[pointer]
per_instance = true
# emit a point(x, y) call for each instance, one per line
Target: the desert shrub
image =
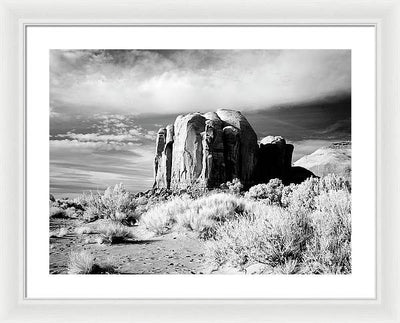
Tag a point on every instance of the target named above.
point(329, 249)
point(142, 200)
point(287, 193)
point(309, 233)
point(70, 213)
point(203, 214)
point(219, 206)
point(161, 217)
point(272, 238)
point(57, 213)
point(91, 214)
point(335, 203)
point(59, 233)
point(82, 199)
point(114, 204)
point(194, 191)
point(117, 203)
point(83, 230)
point(302, 197)
point(193, 221)
point(209, 212)
point(199, 215)
point(333, 182)
point(114, 232)
point(82, 263)
point(235, 186)
point(271, 192)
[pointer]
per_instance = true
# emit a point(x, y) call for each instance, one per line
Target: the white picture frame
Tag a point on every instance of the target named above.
point(13, 17)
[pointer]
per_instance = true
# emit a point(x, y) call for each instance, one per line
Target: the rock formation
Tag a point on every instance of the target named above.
point(213, 171)
point(163, 158)
point(206, 150)
point(275, 159)
point(335, 158)
point(187, 157)
point(246, 140)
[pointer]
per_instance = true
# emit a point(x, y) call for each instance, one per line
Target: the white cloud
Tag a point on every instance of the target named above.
point(95, 137)
point(152, 82)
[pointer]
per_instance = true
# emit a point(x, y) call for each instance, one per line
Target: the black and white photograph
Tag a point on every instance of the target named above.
point(200, 161)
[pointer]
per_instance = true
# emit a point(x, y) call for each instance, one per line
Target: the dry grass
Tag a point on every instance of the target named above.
point(198, 215)
point(161, 217)
point(114, 232)
point(82, 263)
point(61, 232)
point(84, 230)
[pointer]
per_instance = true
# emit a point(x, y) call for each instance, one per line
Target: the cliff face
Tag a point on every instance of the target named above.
point(213, 148)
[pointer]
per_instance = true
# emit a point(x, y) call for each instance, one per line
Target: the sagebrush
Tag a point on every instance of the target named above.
point(115, 204)
point(295, 229)
point(310, 233)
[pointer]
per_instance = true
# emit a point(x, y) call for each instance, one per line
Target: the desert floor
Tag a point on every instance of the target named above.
point(175, 253)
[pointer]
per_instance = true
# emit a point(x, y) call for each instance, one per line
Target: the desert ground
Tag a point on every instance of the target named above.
point(174, 253)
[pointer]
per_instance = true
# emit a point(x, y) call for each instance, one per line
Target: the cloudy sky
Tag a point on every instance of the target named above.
point(107, 105)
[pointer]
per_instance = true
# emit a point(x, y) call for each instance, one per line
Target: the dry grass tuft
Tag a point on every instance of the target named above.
point(59, 233)
point(115, 232)
point(82, 263)
point(161, 218)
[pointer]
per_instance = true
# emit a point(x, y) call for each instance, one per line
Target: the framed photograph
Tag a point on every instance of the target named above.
point(226, 158)
point(233, 165)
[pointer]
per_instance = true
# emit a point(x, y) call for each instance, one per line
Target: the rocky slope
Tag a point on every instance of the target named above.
point(335, 158)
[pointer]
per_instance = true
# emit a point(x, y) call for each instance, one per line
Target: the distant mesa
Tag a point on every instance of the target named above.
point(209, 149)
point(335, 158)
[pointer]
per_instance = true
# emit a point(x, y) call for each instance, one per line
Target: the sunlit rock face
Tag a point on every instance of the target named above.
point(209, 149)
point(333, 159)
point(246, 156)
point(187, 156)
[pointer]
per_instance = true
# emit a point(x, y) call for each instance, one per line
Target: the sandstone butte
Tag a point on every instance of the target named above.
point(209, 149)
